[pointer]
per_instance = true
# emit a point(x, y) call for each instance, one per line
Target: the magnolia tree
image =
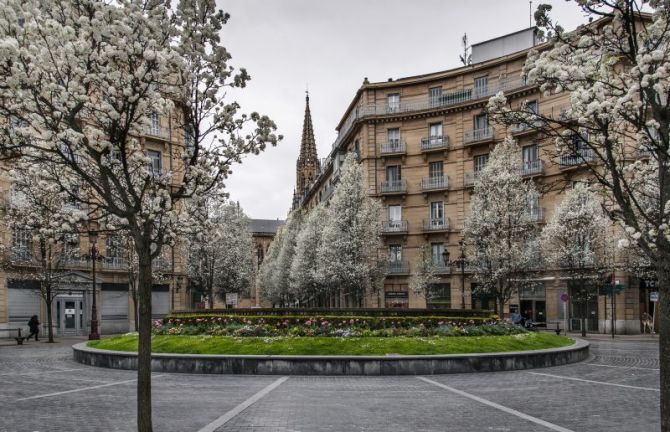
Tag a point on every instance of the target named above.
point(219, 258)
point(350, 261)
point(81, 82)
point(44, 231)
point(500, 227)
point(275, 271)
point(574, 240)
point(305, 284)
point(615, 71)
point(425, 276)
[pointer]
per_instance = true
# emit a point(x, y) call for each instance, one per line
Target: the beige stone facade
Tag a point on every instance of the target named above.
point(19, 297)
point(421, 141)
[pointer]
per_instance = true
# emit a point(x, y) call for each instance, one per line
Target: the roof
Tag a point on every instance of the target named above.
point(265, 226)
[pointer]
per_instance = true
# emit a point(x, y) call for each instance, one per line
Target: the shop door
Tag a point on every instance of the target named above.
point(69, 315)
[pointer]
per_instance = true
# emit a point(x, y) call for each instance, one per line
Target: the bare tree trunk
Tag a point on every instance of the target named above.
point(664, 341)
point(50, 327)
point(144, 423)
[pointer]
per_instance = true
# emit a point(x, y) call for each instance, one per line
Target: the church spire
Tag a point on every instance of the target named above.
point(308, 143)
point(308, 165)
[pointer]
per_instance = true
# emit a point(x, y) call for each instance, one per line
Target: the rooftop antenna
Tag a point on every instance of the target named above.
point(466, 58)
point(530, 13)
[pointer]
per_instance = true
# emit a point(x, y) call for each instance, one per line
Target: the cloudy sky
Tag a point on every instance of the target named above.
point(330, 46)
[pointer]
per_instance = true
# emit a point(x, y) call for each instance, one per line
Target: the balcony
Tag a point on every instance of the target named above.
point(434, 183)
point(536, 214)
point(397, 267)
point(394, 187)
point(393, 147)
point(115, 263)
point(478, 135)
point(434, 143)
point(394, 227)
point(531, 168)
point(441, 268)
point(576, 158)
point(160, 264)
point(436, 225)
point(523, 128)
point(157, 131)
point(470, 178)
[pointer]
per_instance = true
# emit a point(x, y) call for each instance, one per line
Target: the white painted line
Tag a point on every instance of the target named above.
point(502, 408)
point(40, 373)
point(622, 367)
point(241, 407)
point(80, 389)
point(596, 382)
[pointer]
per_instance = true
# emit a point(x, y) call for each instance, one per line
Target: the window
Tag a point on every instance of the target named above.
point(393, 137)
point(529, 154)
point(480, 162)
point(395, 213)
point(437, 213)
point(17, 198)
point(534, 206)
point(357, 149)
point(481, 86)
point(155, 127)
point(436, 253)
point(393, 173)
point(70, 248)
point(436, 169)
point(393, 102)
point(189, 141)
point(22, 245)
point(481, 122)
point(156, 163)
point(435, 133)
point(395, 253)
point(435, 96)
point(532, 107)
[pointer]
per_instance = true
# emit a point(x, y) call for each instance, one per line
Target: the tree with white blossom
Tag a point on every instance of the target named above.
point(350, 254)
point(500, 227)
point(616, 71)
point(305, 284)
point(82, 81)
point(574, 241)
point(45, 223)
point(424, 275)
point(219, 257)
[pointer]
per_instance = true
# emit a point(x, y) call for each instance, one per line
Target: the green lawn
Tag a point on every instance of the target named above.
point(336, 346)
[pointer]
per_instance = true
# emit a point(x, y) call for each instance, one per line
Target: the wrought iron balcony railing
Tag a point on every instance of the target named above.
point(434, 183)
point(440, 224)
point(435, 143)
point(475, 135)
point(394, 187)
point(394, 227)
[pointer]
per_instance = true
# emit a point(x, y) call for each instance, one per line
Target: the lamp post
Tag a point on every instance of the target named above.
point(93, 335)
point(461, 245)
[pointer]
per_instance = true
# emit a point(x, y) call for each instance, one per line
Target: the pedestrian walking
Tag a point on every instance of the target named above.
point(34, 325)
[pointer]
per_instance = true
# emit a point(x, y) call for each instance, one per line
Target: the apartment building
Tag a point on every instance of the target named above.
point(422, 141)
point(19, 286)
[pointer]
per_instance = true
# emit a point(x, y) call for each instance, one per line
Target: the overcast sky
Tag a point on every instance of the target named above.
point(330, 46)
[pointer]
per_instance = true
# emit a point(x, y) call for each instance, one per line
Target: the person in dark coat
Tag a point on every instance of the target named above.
point(34, 325)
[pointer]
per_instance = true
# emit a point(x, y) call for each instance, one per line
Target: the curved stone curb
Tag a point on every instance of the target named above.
point(337, 365)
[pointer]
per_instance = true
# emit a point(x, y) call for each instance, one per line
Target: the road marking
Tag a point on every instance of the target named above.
point(40, 373)
point(81, 389)
point(502, 408)
point(241, 407)
point(596, 382)
point(622, 367)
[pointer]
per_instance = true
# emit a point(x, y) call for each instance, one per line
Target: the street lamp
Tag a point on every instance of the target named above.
point(93, 335)
point(461, 245)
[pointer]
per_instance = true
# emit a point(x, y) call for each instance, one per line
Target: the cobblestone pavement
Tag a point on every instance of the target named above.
point(43, 389)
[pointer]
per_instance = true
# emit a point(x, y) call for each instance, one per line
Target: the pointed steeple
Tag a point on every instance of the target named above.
point(308, 143)
point(308, 165)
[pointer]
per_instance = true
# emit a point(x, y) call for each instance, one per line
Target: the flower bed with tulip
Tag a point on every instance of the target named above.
point(331, 326)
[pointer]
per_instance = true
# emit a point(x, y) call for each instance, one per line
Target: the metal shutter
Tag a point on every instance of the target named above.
point(160, 304)
point(114, 312)
point(21, 305)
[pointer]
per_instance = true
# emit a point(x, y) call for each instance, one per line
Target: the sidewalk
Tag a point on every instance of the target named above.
point(626, 337)
point(58, 342)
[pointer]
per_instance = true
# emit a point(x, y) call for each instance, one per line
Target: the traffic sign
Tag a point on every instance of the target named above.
point(653, 296)
point(564, 297)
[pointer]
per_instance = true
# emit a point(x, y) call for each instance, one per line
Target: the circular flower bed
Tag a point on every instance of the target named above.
point(331, 326)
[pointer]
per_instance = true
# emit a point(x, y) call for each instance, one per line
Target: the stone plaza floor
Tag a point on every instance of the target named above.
point(616, 389)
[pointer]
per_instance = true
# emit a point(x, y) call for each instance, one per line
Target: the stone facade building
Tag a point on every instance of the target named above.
point(19, 289)
point(422, 141)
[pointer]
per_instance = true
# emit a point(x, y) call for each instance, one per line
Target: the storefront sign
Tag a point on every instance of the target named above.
point(653, 296)
point(564, 297)
point(69, 311)
point(231, 299)
point(397, 295)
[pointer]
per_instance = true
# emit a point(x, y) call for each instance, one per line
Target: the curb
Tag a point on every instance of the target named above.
point(336, 365)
